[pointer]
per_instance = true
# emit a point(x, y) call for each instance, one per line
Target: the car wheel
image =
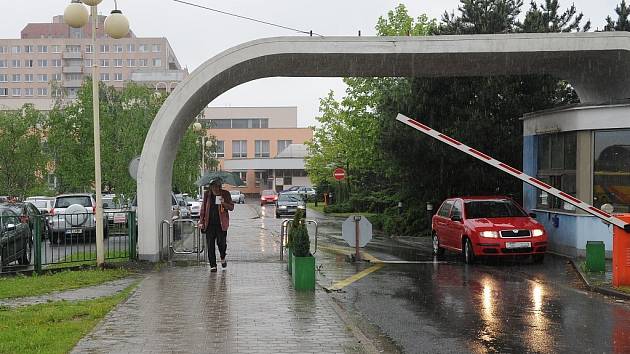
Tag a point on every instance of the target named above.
point(26, 257)
point(538, 258)
point(437, 250)
point(469, 253)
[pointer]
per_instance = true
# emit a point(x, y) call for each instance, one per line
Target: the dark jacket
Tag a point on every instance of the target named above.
point(223, 215)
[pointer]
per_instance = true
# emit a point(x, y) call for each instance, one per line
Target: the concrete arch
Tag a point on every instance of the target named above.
point(596, 64)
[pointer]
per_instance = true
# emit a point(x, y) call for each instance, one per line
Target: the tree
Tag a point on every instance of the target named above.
point(547, 18)
point(622, 23)
point(23, 162)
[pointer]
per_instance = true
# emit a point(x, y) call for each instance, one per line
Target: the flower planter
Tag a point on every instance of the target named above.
point(289, 259)
point(303, 272)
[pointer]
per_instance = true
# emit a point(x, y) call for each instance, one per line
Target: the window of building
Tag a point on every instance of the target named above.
point(16, 92)
point(56, 63)
point(142, 48)
point(16, 78)
point(28, 91)
point(88, 63)
point(4, 91)
point(611, 169)
point(42, 77)
point(29, 63)
point(261, 148)
point(42, 91)
point(557, 155)
point(239, 123)
point(89, 48)
point(220, 149)
point(28, 77)
point(73, 77)
point(3, 49)
point(104, 48)
point(118, 77)
point(118, 48)
point(73, 48)
point(29, 49)
point(42, 48)
point(239, 149)
point(56, 48)
point(16, 63)
point(156, 48)
point(143, 62)
point(221, 123)
point(104, 76)
point(157, 62)
point(118, 63)
point(42, 63)
point(56, 92)
point(262, 179)
point(131, 47)
point(4, 78)
point(283, 144)
point(104, 63)
point(16, 49)
point(131, 63)
point(56, 77)
point(3, 63)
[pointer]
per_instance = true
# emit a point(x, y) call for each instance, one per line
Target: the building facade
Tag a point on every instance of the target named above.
point(262, 144)
point(51, 60)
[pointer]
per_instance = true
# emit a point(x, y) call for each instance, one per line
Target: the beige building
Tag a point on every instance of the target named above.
point(51, 60)
point(262, 144)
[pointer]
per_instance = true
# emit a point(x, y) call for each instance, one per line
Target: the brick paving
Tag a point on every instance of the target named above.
point(248, 308)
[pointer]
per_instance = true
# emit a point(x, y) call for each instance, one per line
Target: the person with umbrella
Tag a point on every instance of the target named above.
point(215, 219)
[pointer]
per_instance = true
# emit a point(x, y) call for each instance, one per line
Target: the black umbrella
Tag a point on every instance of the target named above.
point(225, 176)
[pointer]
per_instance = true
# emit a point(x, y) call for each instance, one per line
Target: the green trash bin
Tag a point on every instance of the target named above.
point(595, 256)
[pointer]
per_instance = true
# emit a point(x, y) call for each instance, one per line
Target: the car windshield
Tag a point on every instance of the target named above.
point(477, 209)
point(8, 216)
point(289, 198)
point(42, 204)
point(64, 202)
point(268, 192)
point(108, 203)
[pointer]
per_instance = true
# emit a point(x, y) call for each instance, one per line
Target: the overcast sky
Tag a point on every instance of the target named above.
point(196, 35)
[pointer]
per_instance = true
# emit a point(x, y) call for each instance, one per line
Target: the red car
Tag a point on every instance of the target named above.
point(268, 196)
point(487, 226)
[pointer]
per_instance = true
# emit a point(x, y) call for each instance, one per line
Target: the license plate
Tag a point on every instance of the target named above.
point(76, 231)
point(518, 244)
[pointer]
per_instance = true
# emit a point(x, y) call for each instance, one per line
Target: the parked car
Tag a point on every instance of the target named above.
point(237, 197)
point(487, 226)
point(268, 196)
point(195, 207)
point(30, 215)
point(73, 215)
point(15, 238)
point(184, 211)
point(44, 204)
point(113, 210)
point(289, 203)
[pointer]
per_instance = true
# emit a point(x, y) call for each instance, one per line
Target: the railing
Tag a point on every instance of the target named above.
point(284, 233)
point(178, 239)
point(44, 242)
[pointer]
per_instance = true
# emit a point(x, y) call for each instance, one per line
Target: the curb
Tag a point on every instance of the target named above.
point(597, 289)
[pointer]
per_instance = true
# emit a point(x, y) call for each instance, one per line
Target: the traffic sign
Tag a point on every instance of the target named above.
point(339, 173)
point(349, 228)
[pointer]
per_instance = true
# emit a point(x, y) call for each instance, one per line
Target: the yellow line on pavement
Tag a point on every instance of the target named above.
point(342, 284)
point(349, 251)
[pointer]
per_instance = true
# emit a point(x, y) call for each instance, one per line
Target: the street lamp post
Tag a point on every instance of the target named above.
point(116, 26)
point(205, 143)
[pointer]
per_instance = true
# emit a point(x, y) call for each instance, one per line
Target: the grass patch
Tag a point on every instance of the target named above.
point(320, 208)
point(89, 259)
point(54, 327)
point(21, 286)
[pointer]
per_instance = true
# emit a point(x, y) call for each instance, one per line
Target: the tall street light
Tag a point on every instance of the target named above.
point(197, 127)
point(116, 26)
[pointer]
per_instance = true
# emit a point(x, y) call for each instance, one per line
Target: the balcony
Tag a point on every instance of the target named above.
point(74, 69)
point(72, 83)
point(72, 55)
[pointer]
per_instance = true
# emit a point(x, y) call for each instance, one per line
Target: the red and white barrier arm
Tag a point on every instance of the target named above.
point(514, 172)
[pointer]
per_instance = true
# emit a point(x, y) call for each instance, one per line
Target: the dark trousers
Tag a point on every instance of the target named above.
point(214, 233)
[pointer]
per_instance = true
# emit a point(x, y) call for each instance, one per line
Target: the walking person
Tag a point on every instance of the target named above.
point(215, 220)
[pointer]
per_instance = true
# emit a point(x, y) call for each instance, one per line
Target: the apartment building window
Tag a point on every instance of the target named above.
point(73, 49)
point(261, 148)
point(88, 63)
point(16, 49)
point(28, 92)
point(29, 63)
point(220, 147)
point(16, 92)
point(283, 144)
point(104, 76)
point(89, 48)
point(157, 62)
point(3, 63)
point(104, 48)
point(259, 123)
point(16, 78)
point(261, 178)
point(42, 63)
point(4, 91)
point(42, 91)
point(239, 149)
point(56, 93)
point(118, 77)
point(28, 49)
point(42, 48)
point(3, 49)
point(143, 62)
point(131, 47)
point(104, 63)
point(142, 48)
point(42, 77)
point(16, 63)
point(56, 49)
point(73, 77)
point(118, 48)
point(118, 63)
point(4, 78)
point(28, 77)
point(56, 77)
point(131, 63)
point(242, 175)
point(156, 48)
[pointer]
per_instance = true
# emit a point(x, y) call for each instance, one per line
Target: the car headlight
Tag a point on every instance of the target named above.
point(301, 207)
point(537, 232)
point(283, 207)
point(489, 234)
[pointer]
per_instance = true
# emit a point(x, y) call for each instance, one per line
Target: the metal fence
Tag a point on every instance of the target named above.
point(45, 242)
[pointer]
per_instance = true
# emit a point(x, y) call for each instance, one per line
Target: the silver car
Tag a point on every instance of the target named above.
point(73, 215)
point(237, 197)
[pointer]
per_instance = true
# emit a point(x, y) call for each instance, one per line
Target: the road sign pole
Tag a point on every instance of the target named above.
point(357, 253)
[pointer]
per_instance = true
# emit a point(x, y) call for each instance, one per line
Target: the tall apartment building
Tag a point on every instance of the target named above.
point(51, 60)
point(262, 144)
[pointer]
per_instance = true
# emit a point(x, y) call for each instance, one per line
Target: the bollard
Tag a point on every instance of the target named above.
point(621, 254)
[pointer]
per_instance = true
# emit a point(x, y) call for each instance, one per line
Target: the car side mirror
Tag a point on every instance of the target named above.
point(456, 217)
point(532, 215)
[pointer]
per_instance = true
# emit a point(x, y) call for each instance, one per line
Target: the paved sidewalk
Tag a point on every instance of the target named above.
point(250, 307)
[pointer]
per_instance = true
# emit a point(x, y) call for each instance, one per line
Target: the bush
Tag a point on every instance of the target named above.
point(293, 228)
point(301, 242)
point(338, 208)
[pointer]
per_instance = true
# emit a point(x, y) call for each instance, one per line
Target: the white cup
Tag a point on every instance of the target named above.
point(218, 200)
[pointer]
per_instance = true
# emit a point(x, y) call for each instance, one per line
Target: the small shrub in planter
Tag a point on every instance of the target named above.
point(303, 262)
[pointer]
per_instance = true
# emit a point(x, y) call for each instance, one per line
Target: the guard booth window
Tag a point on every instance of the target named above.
point(611, 169)
point(557, 155)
